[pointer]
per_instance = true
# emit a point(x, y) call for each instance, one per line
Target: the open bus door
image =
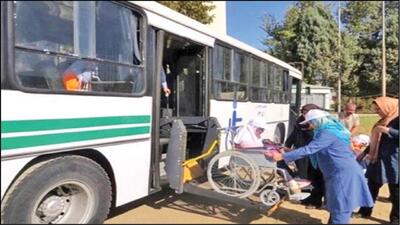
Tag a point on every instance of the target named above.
point(295, 103)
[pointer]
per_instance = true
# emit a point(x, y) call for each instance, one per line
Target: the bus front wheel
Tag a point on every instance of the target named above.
point(66, 189)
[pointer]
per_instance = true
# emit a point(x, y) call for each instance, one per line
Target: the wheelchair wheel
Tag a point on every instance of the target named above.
point(233, 173)
point(269, 197)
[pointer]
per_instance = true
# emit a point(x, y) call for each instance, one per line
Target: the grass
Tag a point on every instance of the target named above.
point(366, 123)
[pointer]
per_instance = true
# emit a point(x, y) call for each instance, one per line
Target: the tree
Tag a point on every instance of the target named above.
point(363, 21)
point(198, 10)
point(309, 34)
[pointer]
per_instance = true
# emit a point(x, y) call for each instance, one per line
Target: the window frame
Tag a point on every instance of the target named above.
point(231, 80)
point(13, 47)
point(265, 86)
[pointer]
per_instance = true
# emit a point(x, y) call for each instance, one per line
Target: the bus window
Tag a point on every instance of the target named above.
point(45, 25)
point(287, 80)
point(60, 73)
point(222, 63)
point(255, 76)
point(258, 88)
point(222, 88)
point(277, 73)
point(270, 81)
point(240, 68)
point(241, 74)
point(227, 87)
point(278, 78)
point(51, 37)
point(116, 33)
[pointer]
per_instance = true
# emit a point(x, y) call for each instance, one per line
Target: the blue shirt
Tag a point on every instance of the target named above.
point(346, 186)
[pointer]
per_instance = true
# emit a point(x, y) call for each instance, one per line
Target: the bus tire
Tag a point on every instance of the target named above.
point(65, 189)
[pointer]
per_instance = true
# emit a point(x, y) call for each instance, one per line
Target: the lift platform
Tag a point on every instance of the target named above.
point(187, 176)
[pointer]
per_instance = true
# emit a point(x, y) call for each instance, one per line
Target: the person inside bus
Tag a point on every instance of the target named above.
point(165, 101)
point(78, 76)
point(163, 80)
point(345, 184)
point(249, 137)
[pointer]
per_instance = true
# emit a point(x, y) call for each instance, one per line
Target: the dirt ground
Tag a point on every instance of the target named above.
point(168, 207)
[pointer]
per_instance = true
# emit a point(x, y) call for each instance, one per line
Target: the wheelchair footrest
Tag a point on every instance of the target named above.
point(298, 196)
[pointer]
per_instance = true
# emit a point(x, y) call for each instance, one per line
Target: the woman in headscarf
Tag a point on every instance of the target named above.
point(345, 184)
point(307, 167)
point(384, 155)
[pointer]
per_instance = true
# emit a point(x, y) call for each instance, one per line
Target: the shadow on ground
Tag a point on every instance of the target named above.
point(295, 217)
point(212, 208)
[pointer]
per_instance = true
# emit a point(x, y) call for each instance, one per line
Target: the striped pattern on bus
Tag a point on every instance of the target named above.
point(59, 131)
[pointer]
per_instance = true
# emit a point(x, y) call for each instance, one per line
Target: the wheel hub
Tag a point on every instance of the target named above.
point(52, 206)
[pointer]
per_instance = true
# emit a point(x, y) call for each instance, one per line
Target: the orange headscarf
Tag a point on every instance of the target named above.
point(389, 108)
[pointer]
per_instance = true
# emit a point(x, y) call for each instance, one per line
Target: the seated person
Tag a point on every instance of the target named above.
point(249, 137)
point(78, 75)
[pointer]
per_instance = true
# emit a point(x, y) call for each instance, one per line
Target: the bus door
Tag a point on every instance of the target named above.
point(295, 102)
point(183, 62)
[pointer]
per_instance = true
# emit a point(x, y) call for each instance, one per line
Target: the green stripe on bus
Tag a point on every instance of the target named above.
point(55, 124)
point(60, 138)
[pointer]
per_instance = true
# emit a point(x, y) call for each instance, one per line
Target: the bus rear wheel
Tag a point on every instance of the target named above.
point(66, 189)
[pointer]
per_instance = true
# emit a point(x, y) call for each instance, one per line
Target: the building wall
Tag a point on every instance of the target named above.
point(319, 96)
point(219, 12)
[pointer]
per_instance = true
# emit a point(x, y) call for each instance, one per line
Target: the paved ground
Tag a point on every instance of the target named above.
point(167, 207)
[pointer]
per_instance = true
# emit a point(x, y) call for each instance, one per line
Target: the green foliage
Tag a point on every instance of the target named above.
point(363, 19)
point(309, 34)
point(198, 10)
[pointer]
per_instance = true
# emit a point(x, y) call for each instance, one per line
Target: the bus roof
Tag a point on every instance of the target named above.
point(167, 19)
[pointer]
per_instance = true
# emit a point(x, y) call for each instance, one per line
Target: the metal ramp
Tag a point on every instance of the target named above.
point(202, 190)
point(177, 169)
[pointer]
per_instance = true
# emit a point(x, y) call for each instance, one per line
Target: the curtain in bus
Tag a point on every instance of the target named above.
point(134, 28)
point(117, 38)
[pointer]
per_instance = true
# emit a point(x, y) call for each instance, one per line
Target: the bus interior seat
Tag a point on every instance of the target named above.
point(28, 79)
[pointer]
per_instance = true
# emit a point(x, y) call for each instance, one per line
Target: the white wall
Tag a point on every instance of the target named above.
point(219, 22)
point(319, 96)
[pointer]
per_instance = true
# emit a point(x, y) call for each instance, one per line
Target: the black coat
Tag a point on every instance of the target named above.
point(300, 135)
point(386, 169)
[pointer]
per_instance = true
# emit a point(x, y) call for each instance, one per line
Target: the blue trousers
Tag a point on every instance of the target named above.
point(339, 218)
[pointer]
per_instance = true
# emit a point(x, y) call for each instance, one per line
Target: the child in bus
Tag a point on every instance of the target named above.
point(249, 137)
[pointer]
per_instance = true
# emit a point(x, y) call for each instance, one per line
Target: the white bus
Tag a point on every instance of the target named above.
point(83, 120)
